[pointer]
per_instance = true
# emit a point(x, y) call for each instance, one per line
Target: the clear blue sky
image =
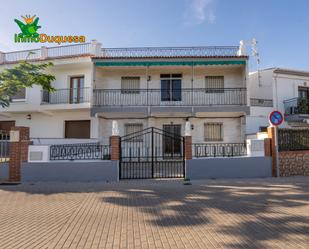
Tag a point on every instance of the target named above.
point(280, 26)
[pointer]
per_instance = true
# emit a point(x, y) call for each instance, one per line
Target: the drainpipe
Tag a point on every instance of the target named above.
point(276, 91)
point(192, 80)
point(147, 90)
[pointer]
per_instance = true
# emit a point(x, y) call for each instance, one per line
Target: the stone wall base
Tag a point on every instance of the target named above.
point(294, 163)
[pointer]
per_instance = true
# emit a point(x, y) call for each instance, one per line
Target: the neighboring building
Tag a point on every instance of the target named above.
point(138, 87)
point(280, 89)
point(64, 113)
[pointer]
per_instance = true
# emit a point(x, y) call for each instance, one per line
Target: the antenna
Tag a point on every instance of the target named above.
point(256, 55)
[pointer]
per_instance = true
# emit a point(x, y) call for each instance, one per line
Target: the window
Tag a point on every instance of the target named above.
point(132, 128)
point(263, 128)
point(21, 95)
point(130, 85)
point(214, 84)
point(77, 129)
point(171, 87)
point(213, 132)
point(303, 92)
point(77, 90)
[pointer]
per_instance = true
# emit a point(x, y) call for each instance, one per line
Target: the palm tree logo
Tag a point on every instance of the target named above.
point(30, 27)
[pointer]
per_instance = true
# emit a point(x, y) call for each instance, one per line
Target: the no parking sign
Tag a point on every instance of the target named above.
point(275, 118)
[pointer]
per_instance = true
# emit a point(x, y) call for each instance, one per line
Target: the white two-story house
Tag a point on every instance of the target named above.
point(138, 87)
point(165, 87)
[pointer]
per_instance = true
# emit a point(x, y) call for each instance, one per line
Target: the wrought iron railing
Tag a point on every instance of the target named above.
point(296, 106)
point(158, 97)
point(4, 146)
point(87, 151)
point(170, 52)
point(261, 102)
point(66, 96)
point(219, 149)
point(293, 139)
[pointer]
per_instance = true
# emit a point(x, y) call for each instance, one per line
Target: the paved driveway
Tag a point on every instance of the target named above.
point(272, 213)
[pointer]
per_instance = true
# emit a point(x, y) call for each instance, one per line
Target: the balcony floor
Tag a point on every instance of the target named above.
point(169, 111)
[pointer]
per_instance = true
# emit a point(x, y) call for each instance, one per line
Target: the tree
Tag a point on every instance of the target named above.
point(24, 75)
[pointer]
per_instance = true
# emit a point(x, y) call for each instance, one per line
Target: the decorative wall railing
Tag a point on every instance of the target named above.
point(296, 106)
point(51, 52)
point(66, 96)
point(4, 146)
point(261, 102)
point(219, 149)
point(169, 52)
point(87, 151)
point(293, 139)
point(158, 97)
point(69, 50)
point(94, 49)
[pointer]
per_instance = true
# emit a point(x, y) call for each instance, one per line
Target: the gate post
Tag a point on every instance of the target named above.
point(274, 150)
point(115, 148)
point(188, 141)
point(19, 141)
point(115, 142)
point(188, 147)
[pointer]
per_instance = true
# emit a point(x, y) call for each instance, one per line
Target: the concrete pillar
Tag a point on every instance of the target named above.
point(19, 141)
point(96, 48)
point(274, 153)
point(44, 53)
point(2, 57)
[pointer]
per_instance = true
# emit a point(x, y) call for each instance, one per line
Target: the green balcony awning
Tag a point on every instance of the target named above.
point(166, 63)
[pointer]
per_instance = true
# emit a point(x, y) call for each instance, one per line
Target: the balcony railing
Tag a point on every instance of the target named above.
point(51, 52)
point(219, 149)
point(158, 97)
point(94, 49)
point(66, 96)
point(152, 52)
point(296, 106)
point(261, 102)
point(87, 151)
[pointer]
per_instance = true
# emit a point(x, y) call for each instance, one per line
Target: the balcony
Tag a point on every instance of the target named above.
point(166, 103)
point(296, 106)
point(158, 97)
point(66, 96)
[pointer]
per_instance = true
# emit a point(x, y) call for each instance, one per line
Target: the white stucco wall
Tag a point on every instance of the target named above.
point(110, 78)
point(262, 89)
point(232, 127)
point(52, 126)
point(286, 87)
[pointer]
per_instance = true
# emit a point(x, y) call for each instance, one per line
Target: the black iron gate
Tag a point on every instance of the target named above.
point(151, 153)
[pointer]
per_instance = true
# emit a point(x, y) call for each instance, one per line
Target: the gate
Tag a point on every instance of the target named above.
point(151, 153)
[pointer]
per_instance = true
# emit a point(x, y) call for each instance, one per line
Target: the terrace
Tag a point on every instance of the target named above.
point(95, 50)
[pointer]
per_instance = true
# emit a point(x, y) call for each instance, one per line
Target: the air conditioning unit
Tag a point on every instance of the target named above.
point(38, 153)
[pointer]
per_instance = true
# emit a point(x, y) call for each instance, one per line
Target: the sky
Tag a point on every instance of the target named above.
point(280, 26)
